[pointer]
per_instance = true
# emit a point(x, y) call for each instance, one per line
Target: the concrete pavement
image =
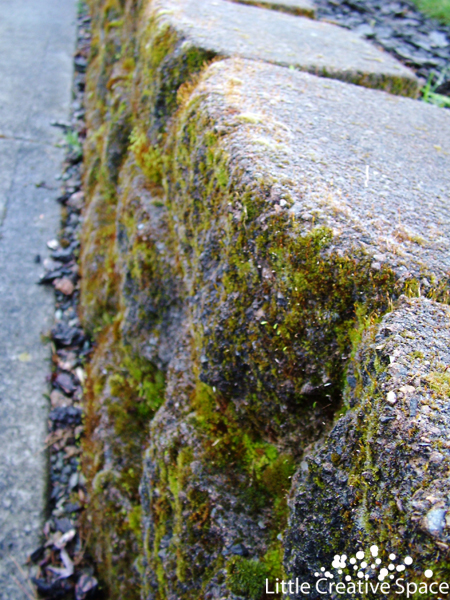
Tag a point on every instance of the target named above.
point(37, 39)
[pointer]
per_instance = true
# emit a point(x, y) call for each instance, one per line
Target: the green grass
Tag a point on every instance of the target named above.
point(439, 9)
point(430, 96)
point(73, 143)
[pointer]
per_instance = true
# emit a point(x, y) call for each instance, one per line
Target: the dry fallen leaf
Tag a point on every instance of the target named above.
point(65, 539)
point(68, 569)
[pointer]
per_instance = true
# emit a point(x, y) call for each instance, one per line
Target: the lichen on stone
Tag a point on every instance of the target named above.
point(229, 281)
point(380, 477)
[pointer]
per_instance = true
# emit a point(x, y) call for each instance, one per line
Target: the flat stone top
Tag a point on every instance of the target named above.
point(230, 29)
point(374, 168)
point(296, 7)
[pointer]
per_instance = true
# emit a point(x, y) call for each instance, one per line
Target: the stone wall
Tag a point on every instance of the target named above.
point(247, 226)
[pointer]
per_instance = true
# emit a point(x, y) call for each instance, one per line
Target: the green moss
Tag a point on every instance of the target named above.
point(99, 281)
point(246, 577)
point(166, 63)
point(439, 382)
point(136, 390)
point(306, 337)
point(267, 470)
point(147, 157)
point(123, 391)
point(228, 442)
point(135, 521)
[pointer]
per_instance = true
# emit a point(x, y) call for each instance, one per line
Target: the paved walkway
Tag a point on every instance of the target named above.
point(37, 39)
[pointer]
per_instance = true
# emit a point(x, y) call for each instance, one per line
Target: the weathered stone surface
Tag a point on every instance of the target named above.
point(382, 475)
point(212, 497)
point(202, 30)
point(242, 252)
point(363, 163)
point(296, 7)
point(307, 214)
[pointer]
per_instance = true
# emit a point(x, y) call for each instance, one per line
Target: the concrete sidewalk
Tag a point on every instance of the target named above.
point(37, 39)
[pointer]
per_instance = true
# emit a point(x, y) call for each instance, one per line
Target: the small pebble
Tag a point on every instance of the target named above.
point(64, 286)
point(391, 398)
point(53, 244)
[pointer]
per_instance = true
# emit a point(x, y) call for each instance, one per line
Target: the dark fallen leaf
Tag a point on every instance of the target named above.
point(37, 554)
point(63, 254)
point(66, 415)
point(65, 383)
point(64, 335)
point(51, 275)
point(53, 589)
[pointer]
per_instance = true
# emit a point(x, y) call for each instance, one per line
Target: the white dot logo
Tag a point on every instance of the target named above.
point(358, 566)
point(339, 561)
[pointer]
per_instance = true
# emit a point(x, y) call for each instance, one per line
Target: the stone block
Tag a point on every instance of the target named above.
point(302, 215)
point(225, 29)
point(381, 475)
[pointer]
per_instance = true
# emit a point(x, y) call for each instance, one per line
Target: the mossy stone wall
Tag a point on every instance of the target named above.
point(223, 326)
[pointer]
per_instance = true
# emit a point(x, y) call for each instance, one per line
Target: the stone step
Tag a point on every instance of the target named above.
point(381, 475)
point(316, 197)
point(226, 29)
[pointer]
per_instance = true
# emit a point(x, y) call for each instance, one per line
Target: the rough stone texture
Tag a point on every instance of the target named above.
point(36, 45)
point(229, 29)
point(200, 512)
point(271, 172)
point(382, 475)
point(303, 8)
point(363, 163)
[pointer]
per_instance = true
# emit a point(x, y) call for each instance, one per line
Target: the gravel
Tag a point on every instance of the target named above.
point(416, 40)
point(64, 568)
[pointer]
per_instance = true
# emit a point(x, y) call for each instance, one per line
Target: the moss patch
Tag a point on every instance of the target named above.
point(123, 393)
point(277, 323)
